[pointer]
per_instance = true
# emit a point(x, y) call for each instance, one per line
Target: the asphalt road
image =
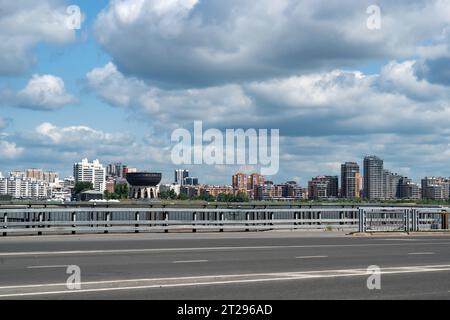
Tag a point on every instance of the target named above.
point(272, 265)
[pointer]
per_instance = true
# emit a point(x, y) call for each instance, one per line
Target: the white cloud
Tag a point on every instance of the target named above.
point(311, 156)
point(402, 78)
point(112, 86)
point(10, 150)
point(169, 107)
point(26, 23)
point(325, 117)
point(347, 101)
point(43, 92)
point(78, 136)
point(57, 147)
point(203, 43)
point(288, 64)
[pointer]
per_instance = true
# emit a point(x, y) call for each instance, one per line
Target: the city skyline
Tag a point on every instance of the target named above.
point(178, 175)
point(116, 179)
point(170, 178)
point(117, 96)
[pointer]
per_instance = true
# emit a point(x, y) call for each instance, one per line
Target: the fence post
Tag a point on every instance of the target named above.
point(40, 217)
point(272, 217)
point(49, 219)
point(5, 220)
point(166, 218)
point(414, 225)
point(222, 218)
point(445, 220)
point(108, 218)
point(74, 219)
point(194, 218)
point(407, 215)
point(137, 218)
point(362, 220)
point(27, 215)
point(247, 218)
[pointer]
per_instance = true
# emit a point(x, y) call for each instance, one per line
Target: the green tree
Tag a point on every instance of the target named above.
point(223, 197)
point(168, 195)
point(82, 187)
point(172, 195)
point(121, 191)
point(183, 197)
point(164, 195)
point(241, 197)
point(110, 196)
point(5, 198)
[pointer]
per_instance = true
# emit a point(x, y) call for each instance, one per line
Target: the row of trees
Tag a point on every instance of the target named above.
point(223, 197)
point(121, 192)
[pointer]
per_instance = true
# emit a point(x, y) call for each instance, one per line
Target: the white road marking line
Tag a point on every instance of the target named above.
point(312, 257)
point(426, 267)
point(404, 240)
point(47, 267)
point(124, 251)
point(420, 253)
point(191, 261)
point(277, 277)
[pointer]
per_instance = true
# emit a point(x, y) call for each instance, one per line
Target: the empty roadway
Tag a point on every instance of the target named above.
point(270, 265)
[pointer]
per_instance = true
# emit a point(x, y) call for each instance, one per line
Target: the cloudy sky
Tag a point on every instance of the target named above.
point(138, 69)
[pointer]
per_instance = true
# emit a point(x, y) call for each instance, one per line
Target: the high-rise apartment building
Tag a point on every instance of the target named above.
point(351, 180)
point(249, 184)
point(239, 181)
point(191, 181)
point(180, 175)
point(115, 170)
point(24, 188)
point(254, 180)
point(391, 185)
point(3, 186)
point(36, 174)
point(50, 177)
point(381, 184)
point(373, 178)
point(41, 175)
point(93, 172)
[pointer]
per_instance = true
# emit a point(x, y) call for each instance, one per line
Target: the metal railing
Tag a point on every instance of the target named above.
point(403, 219)
point(106, 220)
point(95, 220)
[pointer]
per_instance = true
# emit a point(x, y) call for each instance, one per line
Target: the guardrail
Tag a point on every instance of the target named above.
point(401, 219)
point(82, 220)
point(106, 220)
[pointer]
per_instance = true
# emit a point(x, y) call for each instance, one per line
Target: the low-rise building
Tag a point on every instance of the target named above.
point(323, 187)
point(435, 188)
point(215, 191)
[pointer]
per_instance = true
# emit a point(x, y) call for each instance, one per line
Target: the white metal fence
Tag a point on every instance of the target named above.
point(98, 220)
